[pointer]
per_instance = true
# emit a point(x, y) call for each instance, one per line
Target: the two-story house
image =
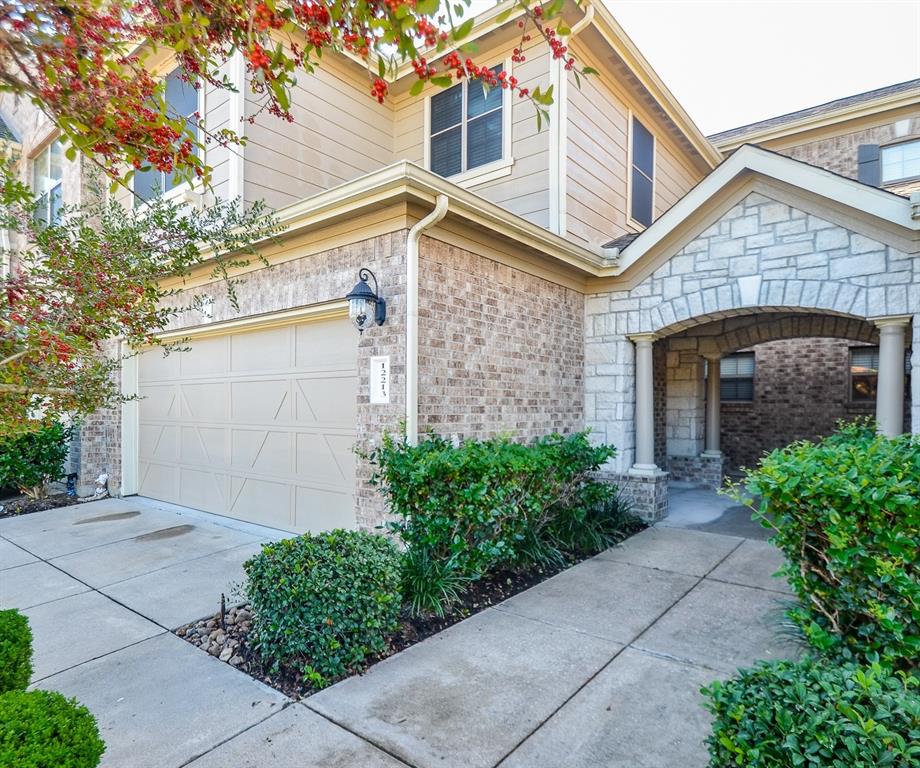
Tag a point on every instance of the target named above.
point(603, 272)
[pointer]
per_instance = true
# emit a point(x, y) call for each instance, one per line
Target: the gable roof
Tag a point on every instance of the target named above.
point(752, 160)
point(858, 105)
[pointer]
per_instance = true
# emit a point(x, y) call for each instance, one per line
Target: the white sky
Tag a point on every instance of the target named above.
point(732, 62)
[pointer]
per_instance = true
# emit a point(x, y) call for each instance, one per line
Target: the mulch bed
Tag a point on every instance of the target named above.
point(228, 638)
point(23, 505)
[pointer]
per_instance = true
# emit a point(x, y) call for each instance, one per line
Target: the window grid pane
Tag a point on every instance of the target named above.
point(901, 161)
point(446, 148)
point(484, 140)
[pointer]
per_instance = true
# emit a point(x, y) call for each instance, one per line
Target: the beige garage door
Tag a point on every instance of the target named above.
point(257, 425)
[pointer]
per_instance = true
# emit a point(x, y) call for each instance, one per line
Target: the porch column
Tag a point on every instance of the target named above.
point(889, 403)
point(645, 404)
point(713, 404)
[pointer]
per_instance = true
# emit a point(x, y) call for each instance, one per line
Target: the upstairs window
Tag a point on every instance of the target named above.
point(47, 179)
point(181, 101)
point(642, 173)
point(466, 127)
point(900, 162)
point(737, 377)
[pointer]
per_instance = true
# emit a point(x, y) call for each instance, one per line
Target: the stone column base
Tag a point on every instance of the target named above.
point(648, 492)
point(704, 470)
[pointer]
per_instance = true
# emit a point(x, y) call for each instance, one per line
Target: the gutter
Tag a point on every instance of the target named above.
point(558, 157)
point(412, 243)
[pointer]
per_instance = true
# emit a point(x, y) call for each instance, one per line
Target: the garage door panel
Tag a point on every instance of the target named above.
point(268, 350)
point(158, 401)
point(319, 400)
point(261, 501)
point(329, 343)
point(318, 510)
point(155, 366)
point(256, 425)
point(260, 402)
point(261, 452)
point(203, 489)
point(204, 445)
point(205, 401)
point(206, 357)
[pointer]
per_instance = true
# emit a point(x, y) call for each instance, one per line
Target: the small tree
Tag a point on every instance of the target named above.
point(95, 277)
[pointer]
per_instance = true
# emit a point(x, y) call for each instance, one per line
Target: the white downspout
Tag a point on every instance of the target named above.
point(412, 241)
point(558, 130)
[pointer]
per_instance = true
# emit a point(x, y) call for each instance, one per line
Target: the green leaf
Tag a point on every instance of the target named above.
point(464, 29)
point(417, 87)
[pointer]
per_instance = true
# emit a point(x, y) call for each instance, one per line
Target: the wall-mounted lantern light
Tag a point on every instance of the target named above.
point(365, 306)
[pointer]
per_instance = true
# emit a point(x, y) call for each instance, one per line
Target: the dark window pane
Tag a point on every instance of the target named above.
point(737, 389)
point(446, 109)
point(181, 97)
point(148, 184)
point(643, 149)
point(478, 101)
point(864, 387)
point(484, 140)
point(55, 201)
point(445, 152)
point(641, 208)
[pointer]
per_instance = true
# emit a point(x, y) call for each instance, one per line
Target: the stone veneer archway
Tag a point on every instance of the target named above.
point(762, 257)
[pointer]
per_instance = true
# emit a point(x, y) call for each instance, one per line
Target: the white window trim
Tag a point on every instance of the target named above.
point(881, 161)
point(185, 189)
point(483, 173)
point(630, 221)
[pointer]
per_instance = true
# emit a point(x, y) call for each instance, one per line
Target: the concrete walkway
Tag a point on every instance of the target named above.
point(600, 665)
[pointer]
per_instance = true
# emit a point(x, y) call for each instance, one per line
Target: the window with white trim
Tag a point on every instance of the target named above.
point(642, 174)
point(466, 127)
point(737, 377)
point(181, 101)
point(900, 162)
point(47, 182)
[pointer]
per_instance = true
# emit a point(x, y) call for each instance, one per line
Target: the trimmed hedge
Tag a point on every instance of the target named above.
point(30, 461)
point(465, 510)
point(846, 514)
point(42, 729)
point(786, 715)
point(15, 651)
point(324, 603)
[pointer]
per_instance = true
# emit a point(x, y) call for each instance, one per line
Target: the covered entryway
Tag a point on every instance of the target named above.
point(255, 424)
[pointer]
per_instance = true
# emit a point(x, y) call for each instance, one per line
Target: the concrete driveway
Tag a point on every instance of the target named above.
point(600, 665)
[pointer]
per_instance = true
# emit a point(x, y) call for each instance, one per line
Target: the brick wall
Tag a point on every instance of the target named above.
point(500, 350)
point(839, 153)
point(801, 390)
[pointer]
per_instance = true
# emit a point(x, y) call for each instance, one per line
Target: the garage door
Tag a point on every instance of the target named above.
point(256, 425)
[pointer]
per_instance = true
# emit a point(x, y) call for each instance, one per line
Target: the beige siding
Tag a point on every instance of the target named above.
point(339, 133)
point(525, 190)
point(597, 146)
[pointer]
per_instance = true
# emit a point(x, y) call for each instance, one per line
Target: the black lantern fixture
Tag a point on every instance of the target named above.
point(365, 306)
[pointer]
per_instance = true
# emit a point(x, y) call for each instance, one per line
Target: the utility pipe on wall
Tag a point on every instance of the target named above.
point(412, 242)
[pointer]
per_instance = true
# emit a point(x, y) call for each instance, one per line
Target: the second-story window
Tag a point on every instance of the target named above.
point(47, 181)
point(900, 162)
point(181, 101)
point(466, 127)
point(642, 174)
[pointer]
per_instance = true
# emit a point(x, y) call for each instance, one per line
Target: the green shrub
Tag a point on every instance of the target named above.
point(42, 729)
point(814, 714)
point(30, 461)
point(462, 511)
point(15, 651)
point(846, 513)
point(324, 603)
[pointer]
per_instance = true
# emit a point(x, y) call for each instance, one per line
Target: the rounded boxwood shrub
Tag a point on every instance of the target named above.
point(815, 714)
point(846, 514)
point(42, 729)
point(31, 460)
point(324, 603)
point(15, 651)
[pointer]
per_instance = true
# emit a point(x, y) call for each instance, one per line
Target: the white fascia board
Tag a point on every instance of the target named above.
point(876, 202)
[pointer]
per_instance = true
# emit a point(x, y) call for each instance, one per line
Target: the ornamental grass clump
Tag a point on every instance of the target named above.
point(815, 714)
point(846, 515)
point(463, 511)
point(323, 604)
